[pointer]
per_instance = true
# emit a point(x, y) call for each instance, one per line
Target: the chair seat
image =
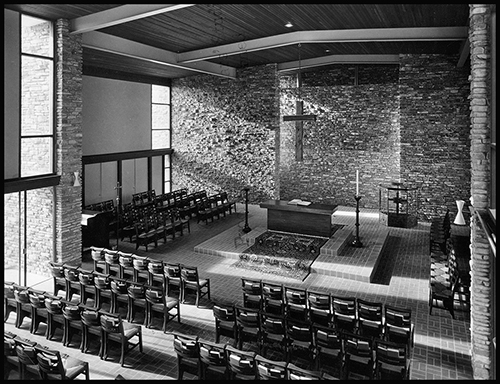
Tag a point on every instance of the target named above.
point(202, 283)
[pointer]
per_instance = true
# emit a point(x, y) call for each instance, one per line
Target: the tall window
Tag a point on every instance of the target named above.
point(160, 126)
point(37, 85)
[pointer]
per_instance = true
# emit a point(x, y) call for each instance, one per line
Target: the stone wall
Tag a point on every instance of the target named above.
point(480, 114)
point(224, 133)
point(435, 130)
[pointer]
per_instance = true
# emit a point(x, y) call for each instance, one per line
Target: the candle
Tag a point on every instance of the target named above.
point(357, 182)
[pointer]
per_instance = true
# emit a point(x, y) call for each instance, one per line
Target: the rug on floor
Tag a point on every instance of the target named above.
point(283, 254)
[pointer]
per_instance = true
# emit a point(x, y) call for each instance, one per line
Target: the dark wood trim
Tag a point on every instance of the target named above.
point(117, 156)
point(25, 184)
point(89, 70)
point(299, 118)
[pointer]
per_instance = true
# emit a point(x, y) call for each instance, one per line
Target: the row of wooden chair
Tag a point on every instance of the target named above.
point(445, 285)
point(358, 357)
point(214, 206)
point(34, 361)
point(440, 232)
point(170, 276)
point(76, 317)
point(345, 313)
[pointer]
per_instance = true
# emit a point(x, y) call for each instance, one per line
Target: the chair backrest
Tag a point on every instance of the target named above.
point(71, 273)
point(327, 338)
point(399, 317)
point(321, 301)
point(96, 253)
point(212, 353)
point(49, 362)
point(357, 345)
point(110, 256)
point(126, 260)
point(251, 287)
point(111, 322)
point(247, 317)
point(90, 317)
point(54, 305)
point(21, 295)
point(186, 346)
point(136, 291)
point(37, 298)
point(189, 273)
point(25, 351)
point(154, 295)
point(56, 269)
point(272, 291)
point(295, 296)
point(86, 277)
point(269, 369)
point(224, 312)
point(241, 362)
point(155, 266)
point(297, 373)
point(368, 310)
point(299, 331)
point(273, 324)
point(119, 286)
point(71, 311)
point(172, 270)
point(140, 263)
point(344, 306)
point(102, 281)
point(393, 354)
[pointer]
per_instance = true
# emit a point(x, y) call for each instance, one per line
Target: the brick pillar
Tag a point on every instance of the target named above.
point(69, 87)
point(480, 112)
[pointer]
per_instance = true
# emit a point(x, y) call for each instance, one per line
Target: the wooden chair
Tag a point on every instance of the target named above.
point(188, 354)
point(229, 204)
point(91, 325)
point(23, 305)
point(145, 233)
point(53, 365)
point(10, 303)
point(273, 336)
point(55, 317)
point(370, 321)
point(57, 272)
point(97, 255)
point(213, 360)
point(126, 263)
point(345, 316)
point(296, 303)
point(329, 350)
point(38, 310)
point(249, 327)
point(179, 223)
point(10, 359)
point(172, 273)
point(320, 308)
point(158, 303)
point(26, 355)
point(72, 281)
point(136, 301)
point(300, 340)
point(225, 322)
point(111, 258)
point(155, 273)
point(102, 283)
point(269, 369)
point(129, 336)
point(252, 293)
point(140, 264)
point(119, 295)
point(398, 325)
point(359, 356)
point(273, 298)
point(72, 322)
point(392, 361)
point(190, 280)
point(87, 286)
point(241, 364)
point(296, 373)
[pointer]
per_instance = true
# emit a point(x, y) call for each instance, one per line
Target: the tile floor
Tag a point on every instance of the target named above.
point(442, 344)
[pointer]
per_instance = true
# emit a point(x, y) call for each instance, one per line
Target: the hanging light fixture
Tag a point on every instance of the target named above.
point(299, 104)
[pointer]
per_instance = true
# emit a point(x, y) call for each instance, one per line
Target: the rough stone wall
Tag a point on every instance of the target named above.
point(357, 127)
point(224, 133)
point(69, 143)
point(480, 113)
point(435, 130)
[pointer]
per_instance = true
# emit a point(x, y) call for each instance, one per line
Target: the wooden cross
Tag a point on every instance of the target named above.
point(299, 119)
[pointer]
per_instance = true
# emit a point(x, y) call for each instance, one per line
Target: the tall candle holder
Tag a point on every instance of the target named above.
point(246, 228)
point(357, 242)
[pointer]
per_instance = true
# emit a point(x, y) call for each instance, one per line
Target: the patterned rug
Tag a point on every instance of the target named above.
point(282, 254)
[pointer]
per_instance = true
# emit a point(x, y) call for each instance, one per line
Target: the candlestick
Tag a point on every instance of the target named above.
point(357, 182)
point(357, 242)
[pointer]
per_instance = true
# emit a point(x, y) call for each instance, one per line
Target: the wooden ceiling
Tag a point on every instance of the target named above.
point(177, 40)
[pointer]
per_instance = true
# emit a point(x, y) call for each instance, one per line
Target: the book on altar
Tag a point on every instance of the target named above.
point(299, 202)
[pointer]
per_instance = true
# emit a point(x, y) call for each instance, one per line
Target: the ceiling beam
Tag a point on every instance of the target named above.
point(338, 59)
point(327, 36)
point(120, 15)
point(117, 45)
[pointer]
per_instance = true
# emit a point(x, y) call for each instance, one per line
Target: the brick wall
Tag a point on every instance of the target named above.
point(69, 143)
point(480, 113)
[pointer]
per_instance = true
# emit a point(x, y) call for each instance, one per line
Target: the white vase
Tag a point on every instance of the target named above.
point(459, 219)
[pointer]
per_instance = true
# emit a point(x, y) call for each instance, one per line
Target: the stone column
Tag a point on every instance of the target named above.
point(480, 112)
point(68, 122)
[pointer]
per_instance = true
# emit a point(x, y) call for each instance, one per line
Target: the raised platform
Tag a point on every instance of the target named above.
point(337, 258)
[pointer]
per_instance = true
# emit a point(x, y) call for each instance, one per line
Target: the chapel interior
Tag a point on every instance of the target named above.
point(250, 191)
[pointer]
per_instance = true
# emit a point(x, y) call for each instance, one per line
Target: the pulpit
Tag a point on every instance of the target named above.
point(95, 225)
point(398, 205)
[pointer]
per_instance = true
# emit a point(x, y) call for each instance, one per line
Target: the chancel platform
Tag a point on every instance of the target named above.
point(336, 258)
